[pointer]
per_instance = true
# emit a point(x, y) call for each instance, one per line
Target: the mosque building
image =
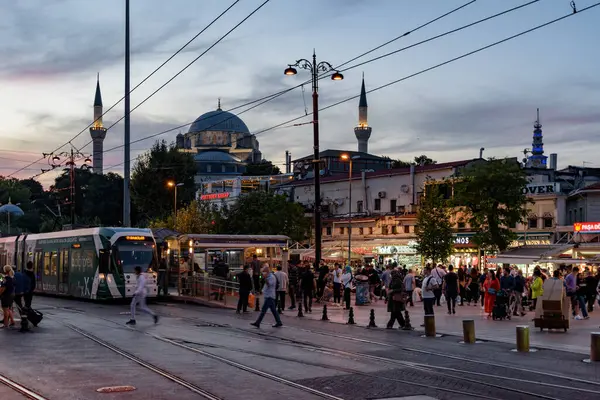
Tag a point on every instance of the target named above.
point(222, 145)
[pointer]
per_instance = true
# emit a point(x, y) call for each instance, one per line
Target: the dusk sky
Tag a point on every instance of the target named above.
point(51, 51)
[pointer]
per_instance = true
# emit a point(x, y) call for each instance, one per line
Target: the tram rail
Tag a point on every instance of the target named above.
point(19, 388)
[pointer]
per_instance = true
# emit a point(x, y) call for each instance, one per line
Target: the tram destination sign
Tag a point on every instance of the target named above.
point(586, 227)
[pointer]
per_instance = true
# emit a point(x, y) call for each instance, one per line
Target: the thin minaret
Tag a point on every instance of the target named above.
point(537, 158)
point(98, 131)
point(363, 130)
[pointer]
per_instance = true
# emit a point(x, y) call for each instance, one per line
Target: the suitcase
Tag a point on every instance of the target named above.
point(34, 316)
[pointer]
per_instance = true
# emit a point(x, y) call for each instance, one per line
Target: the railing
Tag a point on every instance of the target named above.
point(209, 288)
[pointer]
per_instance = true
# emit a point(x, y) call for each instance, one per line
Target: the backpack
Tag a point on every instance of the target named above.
point(431, 286)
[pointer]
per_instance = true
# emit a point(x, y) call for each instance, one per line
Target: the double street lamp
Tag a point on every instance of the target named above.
point(348, 158)
point(173, 184)
point(315, 68)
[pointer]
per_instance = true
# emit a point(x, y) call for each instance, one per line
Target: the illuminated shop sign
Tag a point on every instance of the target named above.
point(586, 227)
point(462, 240)
point(215, 196)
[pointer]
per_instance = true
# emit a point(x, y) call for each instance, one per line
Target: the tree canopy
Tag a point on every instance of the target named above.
point(196, 217)
point(419, 160)
point(434, 227)
point(150, 193)
point(491, 196)
point(262, 168)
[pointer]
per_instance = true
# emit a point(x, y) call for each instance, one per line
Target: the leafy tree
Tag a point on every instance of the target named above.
point(265, 213)
point(161, 164)
point(491, 196)
point(424, 160)
point(196, 217)
point(434, 227)
point(400, 164)
point(262, 168)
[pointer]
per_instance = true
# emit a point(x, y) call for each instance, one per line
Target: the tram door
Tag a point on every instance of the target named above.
point(38, 268)
point(63, 272)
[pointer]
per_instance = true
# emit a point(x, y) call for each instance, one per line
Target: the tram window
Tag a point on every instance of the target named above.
point(47, 257)
point(54, 264)
point(76, 266)
point(64, 276)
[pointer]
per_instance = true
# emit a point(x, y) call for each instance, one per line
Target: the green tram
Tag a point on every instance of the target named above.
point(91, 263)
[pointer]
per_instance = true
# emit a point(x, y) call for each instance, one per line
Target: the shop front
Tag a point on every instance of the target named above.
point(465, 252)
point(402, 252)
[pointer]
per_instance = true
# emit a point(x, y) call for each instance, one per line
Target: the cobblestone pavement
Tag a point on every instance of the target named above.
point(197, 352)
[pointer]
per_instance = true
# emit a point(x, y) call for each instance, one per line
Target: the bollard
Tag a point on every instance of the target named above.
point(372, 320)
point(300, 313)
point(324, 317)
point(351, 317)
point(407, 326)
point(469, 331)
point(429, 326)
point(523, 338)
point(595, 347)
point(257, 304)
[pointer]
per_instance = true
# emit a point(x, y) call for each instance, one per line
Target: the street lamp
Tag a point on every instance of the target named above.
point(346, 157)
point(315, 68)
point(174, 185)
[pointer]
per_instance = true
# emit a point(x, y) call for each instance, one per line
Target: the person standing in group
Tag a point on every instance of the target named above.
point(438, 274)
point(139, 297)
point(323, 272)
point(374, 281)
point(462, 284)
point(270, 295)
point(518, 289)
point(491, 287)
point(7, 296)
point(256, 274)
point(282, 286)
point(245, 281)
point(409, 286)
point(451, 289)
point(293, 285)
point(430, 284)
point(591, 285)
point(308, 288)
point(337, 284)
point(482, 279)
point(28, 296)
point(346, 280)
point(386, 279)
point(22, 285)
point(571, 288)
point(396, 299)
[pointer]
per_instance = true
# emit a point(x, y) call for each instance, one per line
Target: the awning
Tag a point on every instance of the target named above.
point(532, 254)
point(512, 260)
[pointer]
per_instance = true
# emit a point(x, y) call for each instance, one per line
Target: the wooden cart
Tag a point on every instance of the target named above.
point(552, 316)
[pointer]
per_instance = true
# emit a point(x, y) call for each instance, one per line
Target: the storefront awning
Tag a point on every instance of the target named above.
point(530, 254)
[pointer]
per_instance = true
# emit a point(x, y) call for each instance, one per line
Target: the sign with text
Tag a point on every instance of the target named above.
point(215, 196)
point(586, 227)
point(541, 188)
point(462, 240)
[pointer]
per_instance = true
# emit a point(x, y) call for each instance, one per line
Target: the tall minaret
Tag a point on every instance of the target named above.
point(537, 159)
point(98, 131)
point(363, 130)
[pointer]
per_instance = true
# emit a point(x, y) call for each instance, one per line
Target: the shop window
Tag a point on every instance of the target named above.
point(361, 231)
point(393, 206)
point(328, 231)
point(533, 223)
point(370, 230)
point(377, 206)
point(406, 229)
point(359, 206)
point(384, 230)
point(394, 230)
point(548, 222)
point(341, 231)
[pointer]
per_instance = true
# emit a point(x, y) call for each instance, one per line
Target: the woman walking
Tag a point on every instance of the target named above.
point(491, 287)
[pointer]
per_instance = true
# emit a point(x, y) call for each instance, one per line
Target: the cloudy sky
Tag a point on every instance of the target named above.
point(51, 51)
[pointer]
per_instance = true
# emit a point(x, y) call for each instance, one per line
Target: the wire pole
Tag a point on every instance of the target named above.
point(127, 144)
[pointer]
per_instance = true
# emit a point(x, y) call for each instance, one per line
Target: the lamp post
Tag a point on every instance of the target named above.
point(349, 159)
point(175, 186)
point(315, 68)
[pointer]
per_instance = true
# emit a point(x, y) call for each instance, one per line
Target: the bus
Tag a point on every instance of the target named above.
point(90, 263)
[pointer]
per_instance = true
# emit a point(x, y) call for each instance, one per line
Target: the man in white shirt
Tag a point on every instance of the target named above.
point(337, 284)
point(438, 274)
point(428, 288)
point(282, 285)
point(139, 297)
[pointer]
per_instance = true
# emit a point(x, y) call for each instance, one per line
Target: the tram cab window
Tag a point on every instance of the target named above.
point(133, 254)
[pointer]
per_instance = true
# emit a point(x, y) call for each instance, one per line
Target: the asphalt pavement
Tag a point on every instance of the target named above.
point(197, 352)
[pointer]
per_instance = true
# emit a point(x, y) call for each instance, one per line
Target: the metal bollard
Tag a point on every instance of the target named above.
point(429, 326)
point(351, 317)
point(324, 317)
point(523, 338)
point(300, 313)
point(469, 331)
point(595, 347)
point(372, 320)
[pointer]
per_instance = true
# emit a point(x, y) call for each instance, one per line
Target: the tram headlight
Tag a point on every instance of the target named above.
point(101, 276)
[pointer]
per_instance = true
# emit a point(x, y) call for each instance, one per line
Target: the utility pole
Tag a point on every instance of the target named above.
point(127, 150)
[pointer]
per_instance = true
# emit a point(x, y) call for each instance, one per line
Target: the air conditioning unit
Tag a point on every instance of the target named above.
point(381, 195)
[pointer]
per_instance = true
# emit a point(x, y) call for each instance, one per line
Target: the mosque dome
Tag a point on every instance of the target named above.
point(219, 120)
point(216, 156)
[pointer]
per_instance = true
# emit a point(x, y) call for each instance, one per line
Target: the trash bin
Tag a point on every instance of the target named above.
point(362, 290)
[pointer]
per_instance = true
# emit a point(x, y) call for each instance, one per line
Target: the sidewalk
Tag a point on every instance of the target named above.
point(576, 339)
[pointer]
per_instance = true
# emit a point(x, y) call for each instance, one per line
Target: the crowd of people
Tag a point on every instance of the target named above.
point(16, 288)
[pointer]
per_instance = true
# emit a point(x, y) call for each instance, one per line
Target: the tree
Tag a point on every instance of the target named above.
point(196, 217)
point(161, 164)
point(262, 168)
point(265, 213)
point(424, 160)
point(491, 196)
point(400, 164)
point(434, 227)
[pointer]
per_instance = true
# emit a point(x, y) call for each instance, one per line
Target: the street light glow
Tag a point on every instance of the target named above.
point(345, 157)
point(170, 183)
point(337, 76)
point(290, 71)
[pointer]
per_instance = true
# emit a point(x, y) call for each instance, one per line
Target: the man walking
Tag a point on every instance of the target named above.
point(409, 286)
point(451, 289)
point(437, 272)
point(139, 297)
point(282, 285)
point(245, 281)
point(430, 285)
point(269, 298)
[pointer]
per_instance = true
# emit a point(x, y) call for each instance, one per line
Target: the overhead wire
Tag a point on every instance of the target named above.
point(143, 81)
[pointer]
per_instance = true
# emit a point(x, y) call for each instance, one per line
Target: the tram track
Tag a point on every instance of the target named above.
point(19, 388)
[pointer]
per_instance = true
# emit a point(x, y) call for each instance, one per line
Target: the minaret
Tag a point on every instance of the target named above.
point(537, 158)
point(98, 131)
point(363, 130)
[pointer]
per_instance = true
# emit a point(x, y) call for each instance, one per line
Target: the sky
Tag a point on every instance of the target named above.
point(52, 51)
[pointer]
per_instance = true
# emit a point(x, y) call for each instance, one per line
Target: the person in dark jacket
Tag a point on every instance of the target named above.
point(22, 285)
point(396, 300)
point(293, 285)
point(7, 295)
point(28, 295)
point(245, 281)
